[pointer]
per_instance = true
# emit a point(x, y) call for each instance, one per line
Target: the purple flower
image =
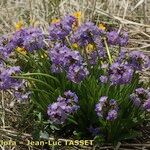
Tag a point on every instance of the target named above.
point(122, 56)
point(120, 74)
point(84, 35)
point(136, 100)
point(31, 39)
point(103, 79)
point(59, 111)
point(8, 82)
point(60, 30)
point(94, 131)
point(142, 93)
point(77, 73)
point(67, 23)
point(113, 37)
point(63, 58)
point(106, 108)
point(138, 60)
point(146, 105)
point(112, 115)
point(6, 47)
point(34, 40)
point(99, 53)
point(99, 46)
point(70, 61)
point(141, 98)
point(100, 105)
point(123, 39)
point(22, 96)
point(71, 96)
point(19, 36)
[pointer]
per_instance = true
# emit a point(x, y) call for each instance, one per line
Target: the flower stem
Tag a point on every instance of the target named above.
point(87, 60)
point(108, 52)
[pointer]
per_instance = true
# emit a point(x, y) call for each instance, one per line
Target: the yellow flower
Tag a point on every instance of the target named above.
point(55, 20)
point(75, 45)
point(90, 48)
point(102, 26)
point(21, 50)
point(77, 15)
point(19, 25)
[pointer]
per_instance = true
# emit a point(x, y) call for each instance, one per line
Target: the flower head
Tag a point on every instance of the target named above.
point(55, 20)
point(85, 33)
point(22, 96)
point(59, 111)
point(6, 47)
point(123, 39)
point(146, 105)
point(77, 73)
point(29, 39)
point(120, 73)
point(62, 28)
point(102, 26)
point(122, 56)
point(19, 25)
point(106, 108)
point(112, 115)
point(113, 37)
point(6, 79)
point(138, 60)
point(62, 58)
point(141, 98)
point(103, 79)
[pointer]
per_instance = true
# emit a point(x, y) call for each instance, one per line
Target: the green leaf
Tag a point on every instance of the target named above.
point(131, 135)
point(41, 74)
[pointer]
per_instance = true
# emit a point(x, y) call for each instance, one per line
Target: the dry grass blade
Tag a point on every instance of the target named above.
point(138, 4)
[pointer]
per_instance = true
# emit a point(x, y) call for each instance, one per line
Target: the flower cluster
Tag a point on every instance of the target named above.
point(59, 111)
point(120, 73)
point(114, 38)
point(70, 61)
point(31, 39)
point(141, 98)
point(77, 73)
point(6, 79)
point(135, 59)
point(62, 28)
point(6, 47)
point(7, 82)
point(138, 60)
point(122, 57)
point(27, 39)
point(106, 108)
point(87, 35)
